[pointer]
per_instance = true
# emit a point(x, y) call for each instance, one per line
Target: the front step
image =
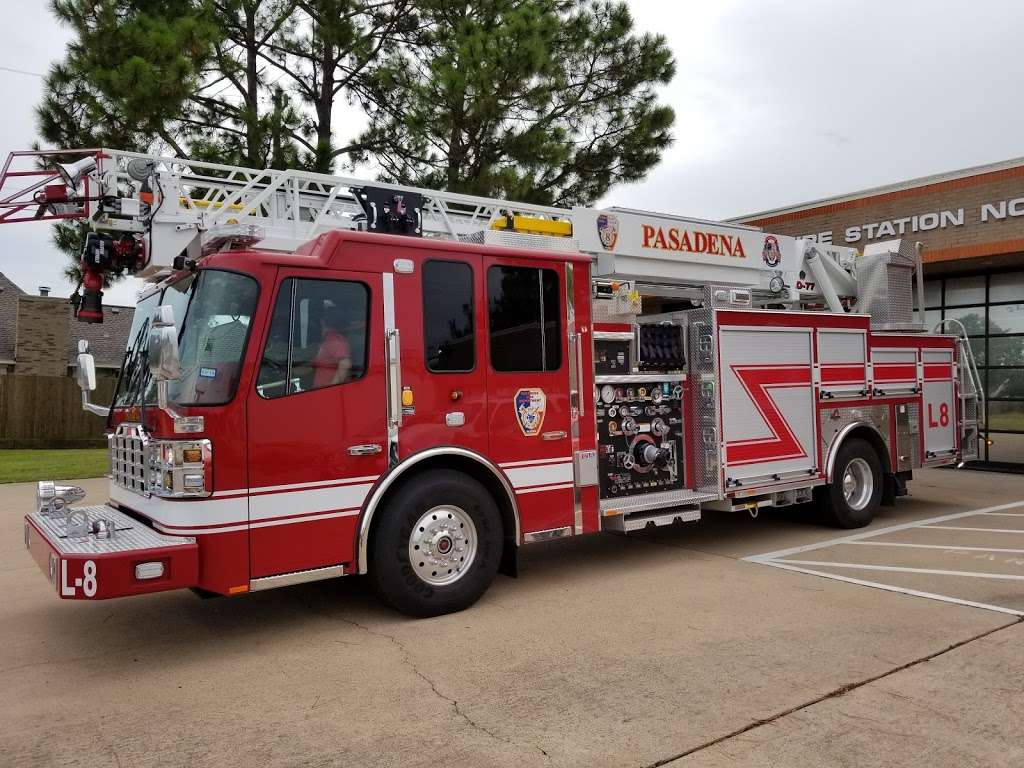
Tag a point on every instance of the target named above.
point(655, 517)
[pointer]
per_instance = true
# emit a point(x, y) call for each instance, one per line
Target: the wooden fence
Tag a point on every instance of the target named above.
point(46, 412)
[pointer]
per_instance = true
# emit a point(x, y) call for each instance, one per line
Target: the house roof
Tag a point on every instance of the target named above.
point(9, 294)
point(107, 340)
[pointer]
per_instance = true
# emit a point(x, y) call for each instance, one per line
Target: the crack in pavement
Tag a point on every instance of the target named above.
point(840, 691)
point(407, 661)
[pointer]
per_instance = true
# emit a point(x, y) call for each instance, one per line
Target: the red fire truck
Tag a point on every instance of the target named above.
point(328, 377)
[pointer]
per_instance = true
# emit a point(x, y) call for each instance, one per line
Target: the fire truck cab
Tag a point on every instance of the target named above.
point(417, 408)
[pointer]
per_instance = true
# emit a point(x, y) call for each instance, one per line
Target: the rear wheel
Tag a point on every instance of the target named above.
point(437, 545)
point(853, 497)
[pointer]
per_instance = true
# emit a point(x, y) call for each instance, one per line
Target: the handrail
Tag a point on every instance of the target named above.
point(972, 367)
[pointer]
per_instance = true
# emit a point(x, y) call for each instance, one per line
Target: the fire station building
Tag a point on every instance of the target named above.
point(972, 225)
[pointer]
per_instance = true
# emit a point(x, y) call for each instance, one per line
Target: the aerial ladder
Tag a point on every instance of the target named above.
point(147, 213)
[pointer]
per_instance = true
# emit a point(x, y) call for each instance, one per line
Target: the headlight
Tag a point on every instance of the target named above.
point(181, 468)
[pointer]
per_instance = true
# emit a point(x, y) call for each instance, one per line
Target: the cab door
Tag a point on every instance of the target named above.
point(317, 421)
point(528, 387)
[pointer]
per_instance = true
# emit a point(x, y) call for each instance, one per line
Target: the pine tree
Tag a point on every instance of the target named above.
point(547, 101)
point(241, 82)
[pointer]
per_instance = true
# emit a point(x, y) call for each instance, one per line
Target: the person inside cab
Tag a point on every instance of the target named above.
point(333, 361)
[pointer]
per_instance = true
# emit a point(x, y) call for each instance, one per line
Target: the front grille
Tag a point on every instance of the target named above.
point(128, 458)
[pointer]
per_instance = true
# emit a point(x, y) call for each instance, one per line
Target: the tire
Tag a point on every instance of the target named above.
point(437, 545)
point(855, 493)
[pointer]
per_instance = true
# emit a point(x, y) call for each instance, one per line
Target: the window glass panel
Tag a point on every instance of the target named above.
point(1006, 416)
point(1008, 286)
point(134, 370)
point(213, 336)
point(448, 335)
point(274, 366)
point(552, 311)
point(973, 319)
point(1006, 350)
point(177, 296)
point(932, 293)
point(931, 317)
point(965, 290)
point(524, 319)
point(1006, 318)
point(1006, 383)
point(317, 337)
point(978, 348)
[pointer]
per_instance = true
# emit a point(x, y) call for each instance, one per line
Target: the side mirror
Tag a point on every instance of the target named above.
point(86, 374)
point(162, 349)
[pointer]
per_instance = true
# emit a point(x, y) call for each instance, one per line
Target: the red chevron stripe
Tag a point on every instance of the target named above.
point(757, 380)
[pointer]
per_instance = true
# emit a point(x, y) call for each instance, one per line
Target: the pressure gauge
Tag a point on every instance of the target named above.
point(608, 393)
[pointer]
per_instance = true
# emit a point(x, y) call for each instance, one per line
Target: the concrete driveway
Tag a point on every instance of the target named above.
point(665, 648)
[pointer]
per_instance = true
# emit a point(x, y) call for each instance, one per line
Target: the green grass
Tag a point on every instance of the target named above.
point(23, 466)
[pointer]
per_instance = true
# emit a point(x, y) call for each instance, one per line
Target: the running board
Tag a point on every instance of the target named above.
point(296, 577)
point(640, 520)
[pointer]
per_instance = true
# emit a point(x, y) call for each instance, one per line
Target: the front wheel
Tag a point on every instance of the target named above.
point(437, 546)
point(853, 497)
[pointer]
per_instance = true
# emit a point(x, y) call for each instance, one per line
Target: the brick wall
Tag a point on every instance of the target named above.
point(42, 339)
point(974, 238)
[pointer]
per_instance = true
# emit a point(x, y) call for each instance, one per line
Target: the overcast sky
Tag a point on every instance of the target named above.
point(777, 102)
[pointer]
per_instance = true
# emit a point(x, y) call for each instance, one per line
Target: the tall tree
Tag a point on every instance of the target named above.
point(243, 82)
point(548, 101)
point(333, 49)
point(247, 82)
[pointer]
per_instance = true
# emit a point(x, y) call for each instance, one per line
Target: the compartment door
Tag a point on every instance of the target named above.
point(768, 424)
point(843, 362)
point(939, 414)
point(894, 371)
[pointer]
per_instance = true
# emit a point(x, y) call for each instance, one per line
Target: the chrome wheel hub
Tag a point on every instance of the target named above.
point(858, 484)
point(442, 545)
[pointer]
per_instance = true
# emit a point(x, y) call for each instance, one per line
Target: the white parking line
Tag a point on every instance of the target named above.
point(968, 528)
point(880, 532)
point(946, 547)
point(901, 569)
point(893, 588)
point(778, 559)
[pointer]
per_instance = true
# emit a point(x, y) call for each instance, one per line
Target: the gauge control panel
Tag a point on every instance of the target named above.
point(639, 435)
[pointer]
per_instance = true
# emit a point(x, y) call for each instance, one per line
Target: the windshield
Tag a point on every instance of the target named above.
point(213, 312)
point(134, 372)
point(213, 336)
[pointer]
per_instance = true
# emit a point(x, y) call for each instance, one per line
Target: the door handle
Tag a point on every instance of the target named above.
point(369, 449)
point(558, 435)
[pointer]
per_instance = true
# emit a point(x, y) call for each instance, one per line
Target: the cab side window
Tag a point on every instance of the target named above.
point(317, 338)
point(449, 337)
point(524, 315)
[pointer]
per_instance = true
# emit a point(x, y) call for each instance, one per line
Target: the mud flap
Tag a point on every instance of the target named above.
point(509, 564)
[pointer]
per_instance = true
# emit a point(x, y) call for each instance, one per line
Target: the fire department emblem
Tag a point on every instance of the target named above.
point(608, 230)
point(771, 253)
point(530, 407)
